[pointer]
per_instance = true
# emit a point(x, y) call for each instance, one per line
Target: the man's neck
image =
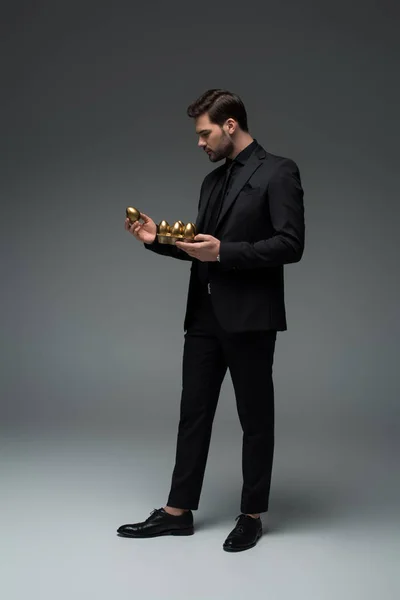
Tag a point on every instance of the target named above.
point(240, 144)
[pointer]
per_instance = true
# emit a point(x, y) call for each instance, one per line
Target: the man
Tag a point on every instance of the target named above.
point(251, 219)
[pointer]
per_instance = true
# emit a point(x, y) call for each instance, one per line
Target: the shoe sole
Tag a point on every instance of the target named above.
point(227, 549)
point(188, 531)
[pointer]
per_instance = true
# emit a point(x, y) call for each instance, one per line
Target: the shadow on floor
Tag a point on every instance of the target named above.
point(289, 509)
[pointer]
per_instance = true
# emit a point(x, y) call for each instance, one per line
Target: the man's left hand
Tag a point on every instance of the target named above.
point(205, 247)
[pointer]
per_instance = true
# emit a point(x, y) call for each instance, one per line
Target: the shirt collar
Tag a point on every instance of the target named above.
point(243, 155)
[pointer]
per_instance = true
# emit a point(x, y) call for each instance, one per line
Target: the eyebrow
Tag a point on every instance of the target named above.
point(203, 131)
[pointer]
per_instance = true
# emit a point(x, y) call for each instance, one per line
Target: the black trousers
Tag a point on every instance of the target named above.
point(208, 352)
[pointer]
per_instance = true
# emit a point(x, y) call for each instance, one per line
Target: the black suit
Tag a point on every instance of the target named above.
point(261, 228)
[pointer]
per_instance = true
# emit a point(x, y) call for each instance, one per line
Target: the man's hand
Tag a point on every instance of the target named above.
point(204, 248)
point(144, 232)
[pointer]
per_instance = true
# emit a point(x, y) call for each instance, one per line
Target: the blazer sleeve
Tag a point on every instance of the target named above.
point(170, 249)
point(285, 197)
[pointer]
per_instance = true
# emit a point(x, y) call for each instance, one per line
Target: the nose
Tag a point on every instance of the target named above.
point(201, 144)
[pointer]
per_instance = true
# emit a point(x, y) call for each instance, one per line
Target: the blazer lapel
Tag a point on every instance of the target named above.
point(243, 176)
point(253, 163)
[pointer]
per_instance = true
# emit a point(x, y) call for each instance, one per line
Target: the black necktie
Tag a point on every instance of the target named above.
point(216, 209)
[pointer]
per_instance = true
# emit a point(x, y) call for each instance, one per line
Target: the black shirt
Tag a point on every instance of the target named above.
point(231, 170)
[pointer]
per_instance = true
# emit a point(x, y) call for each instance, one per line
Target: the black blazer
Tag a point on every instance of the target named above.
point(261, 228)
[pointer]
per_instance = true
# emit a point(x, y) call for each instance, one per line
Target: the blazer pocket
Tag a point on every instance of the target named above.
point(250, 189)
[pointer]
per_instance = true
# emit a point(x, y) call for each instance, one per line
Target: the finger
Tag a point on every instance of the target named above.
point(188, 248)
point(202, 237)
point(200, 245)
point(144, 217)
point(134, 228)
point(187, 244)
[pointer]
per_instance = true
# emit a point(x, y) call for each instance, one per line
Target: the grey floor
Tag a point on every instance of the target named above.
point(332, 530)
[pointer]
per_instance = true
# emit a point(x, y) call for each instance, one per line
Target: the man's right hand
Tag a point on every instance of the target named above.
point(144, 232)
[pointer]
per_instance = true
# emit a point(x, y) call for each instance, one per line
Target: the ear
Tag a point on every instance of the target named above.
point(231, 125)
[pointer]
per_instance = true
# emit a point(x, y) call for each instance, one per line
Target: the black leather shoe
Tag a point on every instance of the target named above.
point(159, 523)
point(245, 535)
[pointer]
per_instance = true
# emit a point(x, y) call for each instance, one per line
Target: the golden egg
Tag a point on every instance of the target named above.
point(164, 228)
point(190, 231)
point(133, 214)
point(177, 229)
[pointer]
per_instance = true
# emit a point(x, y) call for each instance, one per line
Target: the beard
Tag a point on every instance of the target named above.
point(224, 149)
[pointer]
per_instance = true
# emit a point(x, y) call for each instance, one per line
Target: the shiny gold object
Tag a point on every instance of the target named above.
point(190, 231)
point(164, 233)
point(133, 214)
point(179, 231)
point(167, 234)
point(164, 228)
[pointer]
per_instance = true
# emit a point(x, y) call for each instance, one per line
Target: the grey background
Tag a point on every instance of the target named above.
point(94, 101)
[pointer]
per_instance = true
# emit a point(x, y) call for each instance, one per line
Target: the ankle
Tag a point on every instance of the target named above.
point(171, 510)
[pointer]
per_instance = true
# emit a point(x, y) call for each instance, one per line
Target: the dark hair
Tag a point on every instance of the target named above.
point(220, 106)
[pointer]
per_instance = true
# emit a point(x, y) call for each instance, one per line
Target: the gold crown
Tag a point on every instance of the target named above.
point(167, 234)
